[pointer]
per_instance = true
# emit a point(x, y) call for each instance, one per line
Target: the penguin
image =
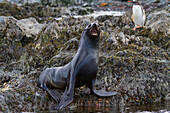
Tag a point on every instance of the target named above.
point(138, 15)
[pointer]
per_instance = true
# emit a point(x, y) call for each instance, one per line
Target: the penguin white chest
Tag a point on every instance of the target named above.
point(137, 15)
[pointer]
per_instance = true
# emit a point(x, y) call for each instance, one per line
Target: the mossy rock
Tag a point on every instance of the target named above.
point(82, 11)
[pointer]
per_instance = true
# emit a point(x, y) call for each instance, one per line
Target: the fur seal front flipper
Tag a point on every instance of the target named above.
point(55, 94)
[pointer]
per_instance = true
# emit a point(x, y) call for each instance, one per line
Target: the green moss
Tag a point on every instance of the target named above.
point(18, 90)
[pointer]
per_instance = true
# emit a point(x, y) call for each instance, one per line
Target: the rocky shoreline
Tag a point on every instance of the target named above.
point(136, 64)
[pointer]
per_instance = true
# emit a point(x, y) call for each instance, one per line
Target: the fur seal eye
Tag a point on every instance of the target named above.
point(89, 25)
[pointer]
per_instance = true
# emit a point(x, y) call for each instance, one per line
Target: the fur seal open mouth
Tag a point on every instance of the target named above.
point(94, 30)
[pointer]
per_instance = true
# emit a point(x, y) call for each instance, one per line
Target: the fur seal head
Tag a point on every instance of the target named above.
point(93, 30)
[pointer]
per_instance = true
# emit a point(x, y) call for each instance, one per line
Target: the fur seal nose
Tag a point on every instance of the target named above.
point(94, 24)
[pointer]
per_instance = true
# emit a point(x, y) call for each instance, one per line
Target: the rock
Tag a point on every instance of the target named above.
point(30, 26)
point(18, 34)
point(2, 21)
point(158, 21)
point(135, 64)
point(3, 105)
point(72, 44)
point(103, 18)
point(4, 78)
point(160, 27)
point(120, 53)
point(81, 10)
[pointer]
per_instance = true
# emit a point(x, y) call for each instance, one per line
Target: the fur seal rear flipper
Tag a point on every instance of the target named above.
point(100, 93)
point(82, 70)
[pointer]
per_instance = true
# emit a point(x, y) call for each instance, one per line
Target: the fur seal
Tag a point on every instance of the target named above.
point(80, 71)
point(138, 15)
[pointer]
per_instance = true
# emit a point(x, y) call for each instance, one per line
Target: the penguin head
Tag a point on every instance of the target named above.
point(135, 2)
